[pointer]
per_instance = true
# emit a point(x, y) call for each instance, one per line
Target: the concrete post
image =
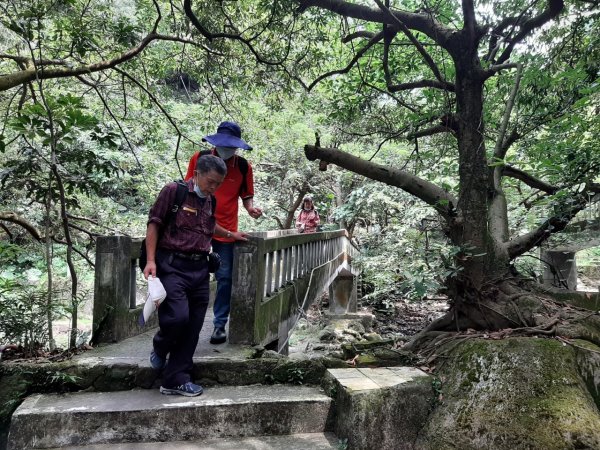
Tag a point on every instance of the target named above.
point(343, 295)
point(563, 273)
point(112, 288)
point(245, 292)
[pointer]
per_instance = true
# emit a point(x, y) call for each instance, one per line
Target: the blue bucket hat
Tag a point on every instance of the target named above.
point(229, 134)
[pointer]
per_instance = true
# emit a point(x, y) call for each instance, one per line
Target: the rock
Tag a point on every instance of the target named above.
point(272, 354)
point(327, 334)
point(336, 354)
point(302, 324)
point(352, 333)
point(514, 393)
point(357, 326)
point(352, 349)
point(372, 337)
point(320, 347)
point(257, 351)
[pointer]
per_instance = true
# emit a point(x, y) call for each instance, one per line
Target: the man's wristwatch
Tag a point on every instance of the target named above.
point(228, 235)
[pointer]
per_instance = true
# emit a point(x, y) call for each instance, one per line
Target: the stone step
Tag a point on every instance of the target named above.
point(85, 418)
point(304, 441)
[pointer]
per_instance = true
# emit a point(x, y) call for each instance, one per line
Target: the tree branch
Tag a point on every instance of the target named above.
point(428, 59)
point(493, 70)
point(354, 60)
point(79, 252)
point(500, 149)
point(554, 8)
point(421, 84)
point(468, 9)
point(36, 72)
point(529, 180)
point(423, 23)
point(28, 62)
point(187, 7)
point(431, 194)
point(565, 211)
point(22, 222)
point(436, 129)
point(357, 34)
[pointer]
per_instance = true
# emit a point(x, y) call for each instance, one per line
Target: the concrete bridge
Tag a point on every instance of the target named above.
point(277, 275)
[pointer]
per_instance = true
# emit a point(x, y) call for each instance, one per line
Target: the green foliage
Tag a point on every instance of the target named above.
point(295, 375)
point(342, 444)
point(23, 315)
point(60, 378)
point(74, 134)
point(403, 253)
point(115, 142)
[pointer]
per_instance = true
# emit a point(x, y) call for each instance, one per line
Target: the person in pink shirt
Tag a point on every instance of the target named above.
point(308, 220)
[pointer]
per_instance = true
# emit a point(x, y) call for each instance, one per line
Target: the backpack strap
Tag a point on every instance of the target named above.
point(213, 204)
point(243, 165)
point(180, 195)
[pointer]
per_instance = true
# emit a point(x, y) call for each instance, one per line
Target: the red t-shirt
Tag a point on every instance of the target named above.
point(228, 193)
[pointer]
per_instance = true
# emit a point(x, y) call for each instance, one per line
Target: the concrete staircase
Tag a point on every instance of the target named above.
point(372, 408)
point(227, 417)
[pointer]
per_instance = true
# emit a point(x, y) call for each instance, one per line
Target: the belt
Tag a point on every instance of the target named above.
point(191, 256)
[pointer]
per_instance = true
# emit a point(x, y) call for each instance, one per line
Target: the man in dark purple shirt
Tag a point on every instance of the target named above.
point(177, 247)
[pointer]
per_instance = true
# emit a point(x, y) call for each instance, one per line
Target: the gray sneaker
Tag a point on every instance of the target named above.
point(188, 389)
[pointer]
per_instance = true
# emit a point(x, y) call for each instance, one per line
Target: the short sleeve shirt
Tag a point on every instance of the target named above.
point(192, 227)
point(229, 192)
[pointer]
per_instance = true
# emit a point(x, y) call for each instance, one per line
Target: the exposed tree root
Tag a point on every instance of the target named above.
point(508, 309)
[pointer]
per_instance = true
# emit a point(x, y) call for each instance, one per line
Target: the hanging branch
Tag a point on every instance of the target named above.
point(35, 71)
point(43, 69)
point(180, 135)
point(117, 122)
point(79, 252)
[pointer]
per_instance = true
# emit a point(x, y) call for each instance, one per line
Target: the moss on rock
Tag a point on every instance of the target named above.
point(518, 393)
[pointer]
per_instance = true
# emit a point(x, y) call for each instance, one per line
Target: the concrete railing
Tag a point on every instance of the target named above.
point(115, 311)
point(275, 274)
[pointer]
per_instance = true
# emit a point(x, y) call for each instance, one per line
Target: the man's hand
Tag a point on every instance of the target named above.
point(150, 269)
point(254, 212)
point(239, 235)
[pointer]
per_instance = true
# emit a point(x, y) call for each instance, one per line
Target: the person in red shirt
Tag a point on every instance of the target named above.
point(238, 183)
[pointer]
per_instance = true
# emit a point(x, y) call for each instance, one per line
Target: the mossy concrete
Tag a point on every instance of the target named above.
point(103, 374)
point(518, 393)
point(383, 408)
point(142, 415)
